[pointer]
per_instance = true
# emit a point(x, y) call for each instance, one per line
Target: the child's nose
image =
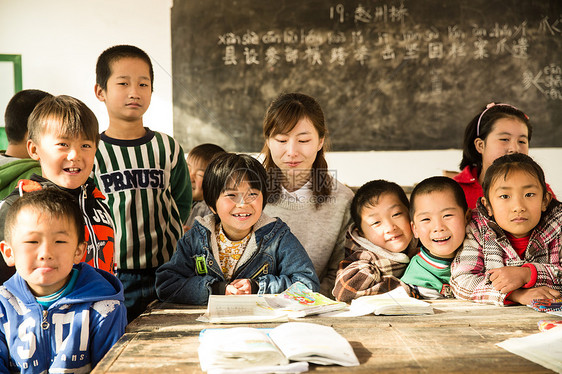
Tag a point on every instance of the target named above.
point(517, 204)
point(73, 154)
point(44, 252)
point(133, 94)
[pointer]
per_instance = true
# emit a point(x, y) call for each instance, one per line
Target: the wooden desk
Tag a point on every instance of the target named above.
point(459, 337)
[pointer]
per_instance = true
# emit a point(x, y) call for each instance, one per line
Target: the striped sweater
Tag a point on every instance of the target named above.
point(148, 191)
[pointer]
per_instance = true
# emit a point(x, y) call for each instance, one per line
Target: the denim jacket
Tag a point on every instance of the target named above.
point(273, 258)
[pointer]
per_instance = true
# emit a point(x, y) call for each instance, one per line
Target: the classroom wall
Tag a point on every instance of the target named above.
point(59, 41)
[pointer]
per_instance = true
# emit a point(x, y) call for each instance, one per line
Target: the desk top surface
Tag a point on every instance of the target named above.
point(459, 337)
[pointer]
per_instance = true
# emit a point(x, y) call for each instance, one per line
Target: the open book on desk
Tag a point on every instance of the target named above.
point(241, 309)
point(395, 302)
point(244, 347)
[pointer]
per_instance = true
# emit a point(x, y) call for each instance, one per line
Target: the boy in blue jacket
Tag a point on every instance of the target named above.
point(56, 314)
point(238, 249)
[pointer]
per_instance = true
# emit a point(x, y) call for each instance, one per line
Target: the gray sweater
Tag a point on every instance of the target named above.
point(321, 231)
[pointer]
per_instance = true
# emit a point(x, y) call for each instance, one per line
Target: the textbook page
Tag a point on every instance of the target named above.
point(241, 309)
point(395, 302)
point(317, 344)
point(543, 348)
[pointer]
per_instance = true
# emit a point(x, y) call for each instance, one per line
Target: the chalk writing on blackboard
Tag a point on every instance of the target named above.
point(548, 81)
point(389, 74)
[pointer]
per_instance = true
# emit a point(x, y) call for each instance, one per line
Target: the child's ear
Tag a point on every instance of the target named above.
point(80, 250)
point(413, 226)
point(100, 93)
point(32, 150)
point(487, 206)
point(467, 216)
point(479, 145)
point(546, 200)
point(7, 253)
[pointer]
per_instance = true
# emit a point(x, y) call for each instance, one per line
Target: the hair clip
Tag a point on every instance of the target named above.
point(490, 105)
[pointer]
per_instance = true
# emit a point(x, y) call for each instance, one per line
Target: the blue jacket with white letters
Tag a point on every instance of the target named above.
point(72, 335)
point(273, 259)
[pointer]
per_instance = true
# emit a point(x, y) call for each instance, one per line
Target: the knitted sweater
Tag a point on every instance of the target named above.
point(367, 268)
point(321, 231)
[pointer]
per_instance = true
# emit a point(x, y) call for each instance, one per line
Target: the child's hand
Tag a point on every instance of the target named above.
point(239, 287)
point(509, 278)
point(524, 296)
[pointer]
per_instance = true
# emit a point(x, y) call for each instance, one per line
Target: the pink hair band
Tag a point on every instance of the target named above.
point(493, 105)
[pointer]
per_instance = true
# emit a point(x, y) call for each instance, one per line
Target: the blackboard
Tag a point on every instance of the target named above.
point(390, 75)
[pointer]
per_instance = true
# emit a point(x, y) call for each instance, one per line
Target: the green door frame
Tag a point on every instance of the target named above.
point(18, 85)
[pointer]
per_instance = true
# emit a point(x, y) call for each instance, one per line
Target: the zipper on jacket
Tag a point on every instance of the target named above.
point(92, 236)
point(263, 269)
point(45, 323)
point(240, 269)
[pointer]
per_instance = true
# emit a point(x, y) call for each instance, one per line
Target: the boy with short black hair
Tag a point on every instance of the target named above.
point(197, 160)
point(15, 162)
point(379, 243)
point(56, 314)
point(142, 172)
point(439, 214)
point(63, 137)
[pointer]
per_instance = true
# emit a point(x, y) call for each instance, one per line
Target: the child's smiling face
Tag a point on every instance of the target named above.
point(439, 222)
point(516, 201)
point(65, 161)
point(239, 207)
point(386, 223)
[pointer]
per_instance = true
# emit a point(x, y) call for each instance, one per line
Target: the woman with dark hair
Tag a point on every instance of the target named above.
point(302, 190)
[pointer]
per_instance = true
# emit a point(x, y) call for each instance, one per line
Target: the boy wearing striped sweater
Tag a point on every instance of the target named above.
point(142, 172)
point(439, 214)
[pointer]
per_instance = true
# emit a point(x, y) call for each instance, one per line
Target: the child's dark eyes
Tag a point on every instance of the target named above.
point(398, 214)
point(424, 220)
point(504, 197)
point(530, 194)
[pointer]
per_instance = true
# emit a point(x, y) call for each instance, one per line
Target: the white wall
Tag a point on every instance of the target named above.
point(59, 41)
